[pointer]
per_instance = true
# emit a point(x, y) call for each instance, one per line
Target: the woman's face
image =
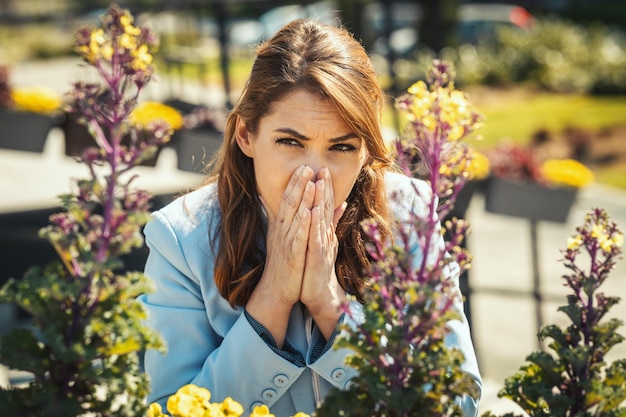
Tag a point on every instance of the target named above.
point(302, 129)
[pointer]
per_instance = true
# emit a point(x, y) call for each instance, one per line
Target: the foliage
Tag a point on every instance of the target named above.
point(573, 379)
point(553, 54)
point(82, 349)
point(405, 367)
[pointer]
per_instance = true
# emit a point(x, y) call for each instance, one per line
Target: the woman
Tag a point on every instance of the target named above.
point(252, 267)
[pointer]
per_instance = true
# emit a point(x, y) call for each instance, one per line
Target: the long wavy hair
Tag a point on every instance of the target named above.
point(327, 61)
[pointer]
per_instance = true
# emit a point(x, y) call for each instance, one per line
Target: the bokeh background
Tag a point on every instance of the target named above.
point(547, 74)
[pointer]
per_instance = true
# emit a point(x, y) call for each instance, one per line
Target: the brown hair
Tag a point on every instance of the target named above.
point(327, 61)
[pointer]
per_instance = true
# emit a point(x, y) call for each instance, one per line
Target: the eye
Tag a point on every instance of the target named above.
point(287, 141)
point(343, 147)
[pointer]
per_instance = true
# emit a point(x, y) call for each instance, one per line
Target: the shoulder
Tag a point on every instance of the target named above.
point(183, 227)
point(194, 210)
point(406, 194)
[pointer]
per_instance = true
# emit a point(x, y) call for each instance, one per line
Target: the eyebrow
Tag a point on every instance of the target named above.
point(300, 136)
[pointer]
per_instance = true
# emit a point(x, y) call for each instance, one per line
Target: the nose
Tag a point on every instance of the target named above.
point(316, 162)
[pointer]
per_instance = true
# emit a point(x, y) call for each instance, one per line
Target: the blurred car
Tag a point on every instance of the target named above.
point(476, 21)
point(247, 32)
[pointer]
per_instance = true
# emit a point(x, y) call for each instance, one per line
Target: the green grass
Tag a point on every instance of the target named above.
point(614, 176)
point(520, 118)
point(518, 113)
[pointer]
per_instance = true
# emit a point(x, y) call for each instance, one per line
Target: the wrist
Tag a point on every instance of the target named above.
point(328, 309)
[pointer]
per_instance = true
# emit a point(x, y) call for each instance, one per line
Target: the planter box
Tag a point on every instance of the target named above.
point(77, 139)
point(76, 136)
point(464, 198)
point(196, 147)
point(528, 200)
point(25, 131)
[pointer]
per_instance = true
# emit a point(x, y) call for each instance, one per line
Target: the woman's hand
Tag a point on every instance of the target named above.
point(321, 292)
point(288, 234)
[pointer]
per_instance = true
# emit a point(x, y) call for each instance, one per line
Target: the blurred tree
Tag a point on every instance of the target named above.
point(436, 27)
point(352, 16)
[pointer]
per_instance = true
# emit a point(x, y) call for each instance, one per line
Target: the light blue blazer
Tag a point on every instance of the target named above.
point(215, 346)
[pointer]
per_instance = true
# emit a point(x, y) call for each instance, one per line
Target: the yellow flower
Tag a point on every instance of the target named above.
point(98, 47)
point(127, 41)
point(142, 58)
point(566, 172)
point(230, 407)
point(106, 52)
point(456, 133)
point(189, 401)
point(38, 99)
point(149, 111)
point(443, 106)
point(261, 411)
point(418, 89)
point(574, 242)
point(193, 401)
point(472, 164)
point(605, 240)
point(122, 347)
point(602, 237)
point(155, 410)
point(478, 167)
point(126, 21)
point(422, 101)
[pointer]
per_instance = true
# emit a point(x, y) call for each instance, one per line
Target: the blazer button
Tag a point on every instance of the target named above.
point(255, 404)
point(338, 375)
point(281, 380)
point(269, 394)
point(350, 384)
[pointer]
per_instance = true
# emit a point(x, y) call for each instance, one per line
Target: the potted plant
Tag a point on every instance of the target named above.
point(27, 115)
point(522, 185)
point(405, 367)
point(82, 346)
point(573, 377)
point(78, 137)
point(200, 137)
point(477, 168)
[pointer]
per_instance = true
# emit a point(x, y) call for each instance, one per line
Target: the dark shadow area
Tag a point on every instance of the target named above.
point(22, 248)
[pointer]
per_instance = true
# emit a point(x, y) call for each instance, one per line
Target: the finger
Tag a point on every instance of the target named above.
point(317, 222)
point(298, 229)
point(292, 197)
point(329, 197)
point(316, 233)
point(339, 212)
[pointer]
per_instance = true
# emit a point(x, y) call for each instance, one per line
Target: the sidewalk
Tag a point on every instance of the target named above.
point(503, 327)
